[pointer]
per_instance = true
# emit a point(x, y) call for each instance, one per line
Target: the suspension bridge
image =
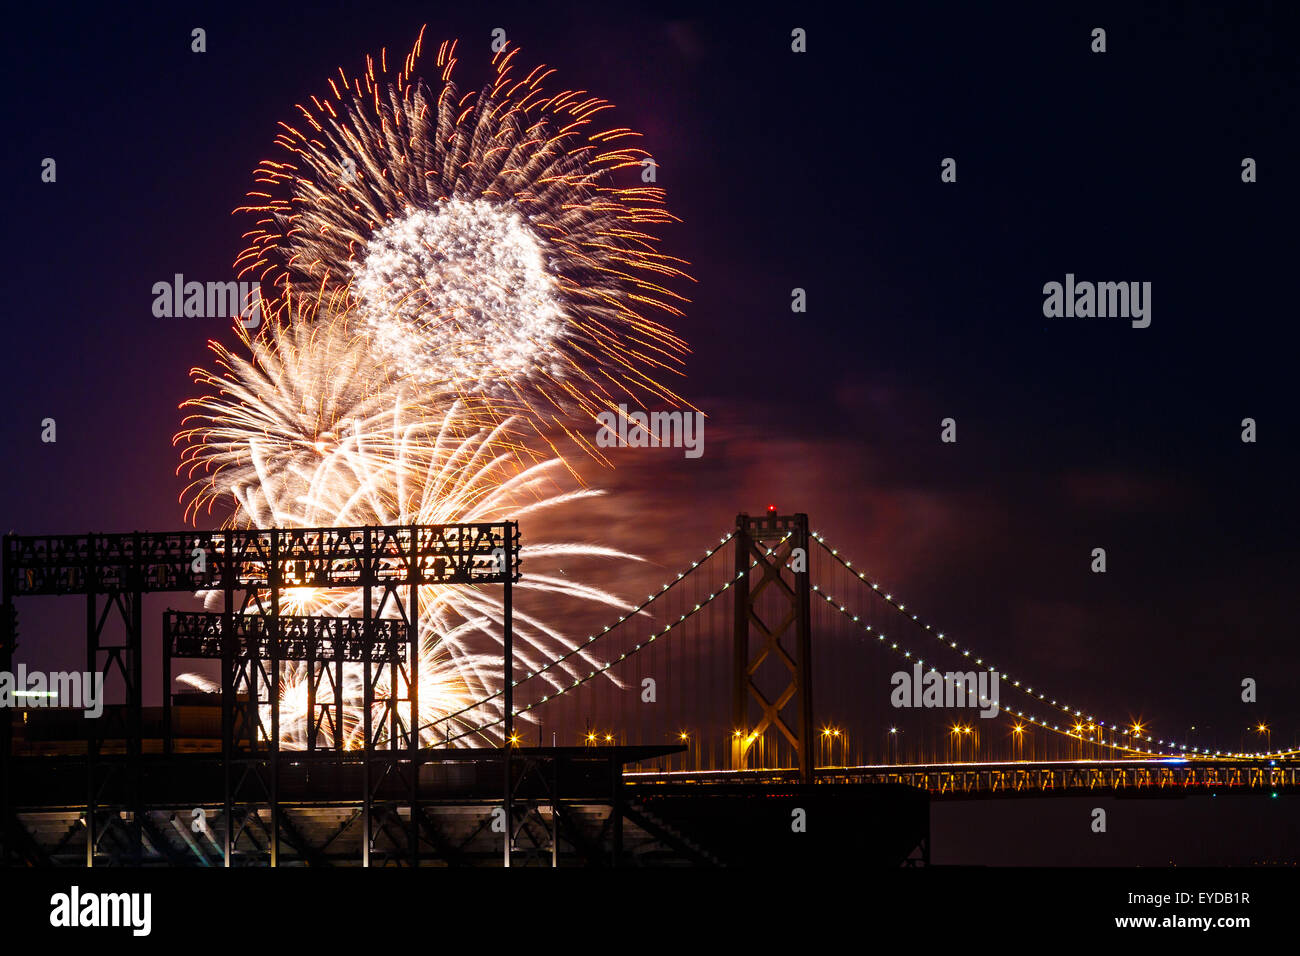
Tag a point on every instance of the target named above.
point(770, 677)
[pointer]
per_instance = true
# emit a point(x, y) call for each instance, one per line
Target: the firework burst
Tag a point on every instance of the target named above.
point(303, 434)
point(269, 420)
point(452, 278)
point(478, 240)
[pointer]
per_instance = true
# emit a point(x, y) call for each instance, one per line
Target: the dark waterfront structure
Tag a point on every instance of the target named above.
point(205, 780)
point(570, 807)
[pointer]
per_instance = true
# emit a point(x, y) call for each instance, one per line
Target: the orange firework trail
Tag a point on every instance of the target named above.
point(308, 432)
point(478, 240)
point(453, 277)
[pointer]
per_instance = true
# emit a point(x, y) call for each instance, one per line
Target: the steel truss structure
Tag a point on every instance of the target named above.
point(567, 801)
point(1133, 775)
point(250, 570)
point(783, 573)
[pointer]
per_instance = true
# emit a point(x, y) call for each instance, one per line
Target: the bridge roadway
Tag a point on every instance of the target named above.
point(1153, 777)
point(474, 774)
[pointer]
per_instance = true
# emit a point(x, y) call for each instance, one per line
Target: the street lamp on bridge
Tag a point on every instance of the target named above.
point(1137, 735)
point(1077, 732)
point(829, 737)
point(740, 748)
point(961, 732)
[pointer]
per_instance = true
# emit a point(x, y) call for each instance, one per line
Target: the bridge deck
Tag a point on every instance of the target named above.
point(1047, 778)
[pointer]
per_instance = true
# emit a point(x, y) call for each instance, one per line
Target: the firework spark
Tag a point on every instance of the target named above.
point(469, 281)
point(294, 444)
point(305, 391)
point(478, 239)
point(453, 277)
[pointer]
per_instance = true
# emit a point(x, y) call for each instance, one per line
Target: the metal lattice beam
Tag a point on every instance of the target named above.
point(294, 557)
point(202, 634)
point(789, 640)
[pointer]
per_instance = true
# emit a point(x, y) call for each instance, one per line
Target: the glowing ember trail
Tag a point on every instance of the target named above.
point(453, 279)
point(480, 239)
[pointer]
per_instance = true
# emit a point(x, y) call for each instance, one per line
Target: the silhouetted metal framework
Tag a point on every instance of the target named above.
point(570, 803)
point(252, 638)
point(786, 638)
point(305, 557)
point(324, 644)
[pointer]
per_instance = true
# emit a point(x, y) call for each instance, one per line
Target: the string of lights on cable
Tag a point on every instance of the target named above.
point(622, 657)
point(1015, 684)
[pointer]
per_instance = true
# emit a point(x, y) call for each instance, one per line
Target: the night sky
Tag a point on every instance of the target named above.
point(819, 171)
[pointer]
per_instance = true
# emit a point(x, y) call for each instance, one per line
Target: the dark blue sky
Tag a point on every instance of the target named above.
point(819, 171)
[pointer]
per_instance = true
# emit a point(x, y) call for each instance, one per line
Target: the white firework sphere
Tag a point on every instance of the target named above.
point(480, 240)
point(447, 271)
point(462, 295)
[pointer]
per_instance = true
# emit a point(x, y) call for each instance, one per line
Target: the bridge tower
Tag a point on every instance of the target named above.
point(783, 632)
